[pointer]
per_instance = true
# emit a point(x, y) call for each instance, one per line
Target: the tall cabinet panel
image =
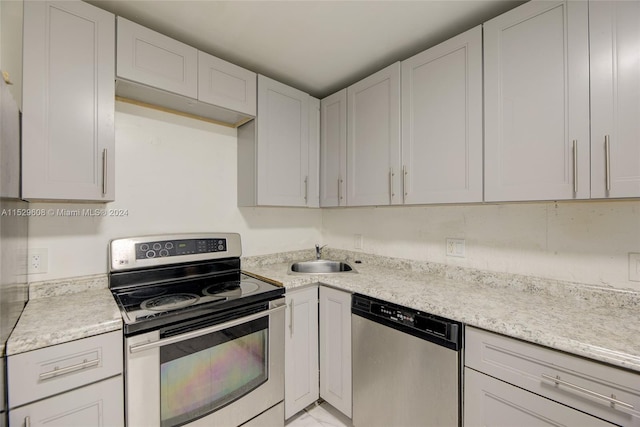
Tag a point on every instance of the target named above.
point(283, 144)
point(442, 122)
point(536, 63)
point(614, 36)
point(68, 102)
point(301, 350)
point(373, 142)
point(333, 149)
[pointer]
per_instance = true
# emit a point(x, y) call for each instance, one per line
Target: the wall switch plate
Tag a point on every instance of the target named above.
point(456, 248)
point(357, 241)
point(634, 267)
point(38, 261)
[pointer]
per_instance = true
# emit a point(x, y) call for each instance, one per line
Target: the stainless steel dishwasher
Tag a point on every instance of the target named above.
point(406, 366)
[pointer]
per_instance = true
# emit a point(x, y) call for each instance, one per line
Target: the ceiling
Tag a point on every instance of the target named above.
point(316, 46)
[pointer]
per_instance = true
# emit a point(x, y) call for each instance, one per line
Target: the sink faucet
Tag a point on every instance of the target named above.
point(319, 251)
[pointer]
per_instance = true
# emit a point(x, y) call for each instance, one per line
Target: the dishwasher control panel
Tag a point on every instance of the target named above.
point(414, 322)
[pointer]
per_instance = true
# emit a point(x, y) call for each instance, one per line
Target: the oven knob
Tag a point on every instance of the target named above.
point(157, 246)
point(151, 254)
point(164, 252)
point(144, 247)
point(168, 245)
point(220, 247)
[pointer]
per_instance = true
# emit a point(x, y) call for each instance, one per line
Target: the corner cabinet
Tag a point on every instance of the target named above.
point(536, 93)
point(335, 349)
point(442, 122)
point(614, 41)
point(333, 149)
point(301, 350)
point(373, 141)
point(68, 102)
point(274, 151)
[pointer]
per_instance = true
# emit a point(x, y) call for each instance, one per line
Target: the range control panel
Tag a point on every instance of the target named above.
point(168, 248)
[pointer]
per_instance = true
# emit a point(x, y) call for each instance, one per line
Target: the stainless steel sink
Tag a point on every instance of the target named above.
point(320, 266)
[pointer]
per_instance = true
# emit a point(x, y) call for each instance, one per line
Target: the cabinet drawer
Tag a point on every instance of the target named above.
point(40, 373)
point(490, 402)
point(586, 385)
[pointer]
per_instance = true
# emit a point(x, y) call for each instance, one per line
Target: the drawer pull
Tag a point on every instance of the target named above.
point(612, 400)
point(69, 369)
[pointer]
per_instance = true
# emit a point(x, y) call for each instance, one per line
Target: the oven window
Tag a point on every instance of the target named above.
point(200, 375)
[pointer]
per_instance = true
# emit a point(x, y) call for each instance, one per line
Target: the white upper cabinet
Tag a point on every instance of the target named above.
point(536, 76)
point(614, 36)
point(274, 150)
point(223, 83)
point(333, 149)
point(313, 183)
point(68, 102)
point(159, 71)
point(154, 59)
point(442, 122)
point(373, 141)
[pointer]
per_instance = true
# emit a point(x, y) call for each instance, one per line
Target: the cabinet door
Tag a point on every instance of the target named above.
point(301, 350)
point(492, 403)
point(68, 102)
point(614, 35)
point(156, 60)
point(283, 144)
point(373, 142)
point(333, 149)
point(99, 404)
point(225, 84)
point(442, 122)
point(536, 74)
point(335, 348)
point(313, 184)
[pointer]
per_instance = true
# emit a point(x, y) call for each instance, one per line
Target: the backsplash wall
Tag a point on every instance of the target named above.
point(173, 174)
point(586, 242)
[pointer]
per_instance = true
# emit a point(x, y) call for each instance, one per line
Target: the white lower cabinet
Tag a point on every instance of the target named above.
point(508, 382)
point(301, 350)
point(100, 404)
point(335, 348)
point(74, 384)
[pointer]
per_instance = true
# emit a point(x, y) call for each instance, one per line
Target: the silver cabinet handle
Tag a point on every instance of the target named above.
point(405, 193)
point(104, 171)
point(200, 332)
point(306, 189)
point(69, 369)
point(291, 308)
point(607, 161)
point(392, 194)
point(575, 166)
point(339, 190)
point(27, 422)
point(612, 400)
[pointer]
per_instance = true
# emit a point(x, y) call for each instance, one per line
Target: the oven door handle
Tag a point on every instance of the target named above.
point(136, 348)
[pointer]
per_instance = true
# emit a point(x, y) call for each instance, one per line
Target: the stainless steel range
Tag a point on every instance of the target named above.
point(204, 342)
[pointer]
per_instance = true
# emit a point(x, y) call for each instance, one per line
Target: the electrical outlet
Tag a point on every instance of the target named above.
point(634, 267)
point(357, 241)
point(456, 248)
point(38, 261)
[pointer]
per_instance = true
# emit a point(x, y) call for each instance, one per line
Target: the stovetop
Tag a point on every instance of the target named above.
point(159, 281)
point(157, 305)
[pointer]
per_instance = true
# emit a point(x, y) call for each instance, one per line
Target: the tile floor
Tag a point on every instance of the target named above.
point(323, 415)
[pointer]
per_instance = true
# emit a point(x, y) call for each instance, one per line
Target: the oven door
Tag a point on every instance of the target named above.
point(201, 374)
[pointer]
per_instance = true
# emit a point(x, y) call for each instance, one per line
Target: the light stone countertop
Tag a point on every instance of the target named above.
point(64, 317)
point(598, 323)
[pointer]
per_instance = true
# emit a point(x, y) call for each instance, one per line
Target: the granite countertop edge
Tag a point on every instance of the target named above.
point(574, 324)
